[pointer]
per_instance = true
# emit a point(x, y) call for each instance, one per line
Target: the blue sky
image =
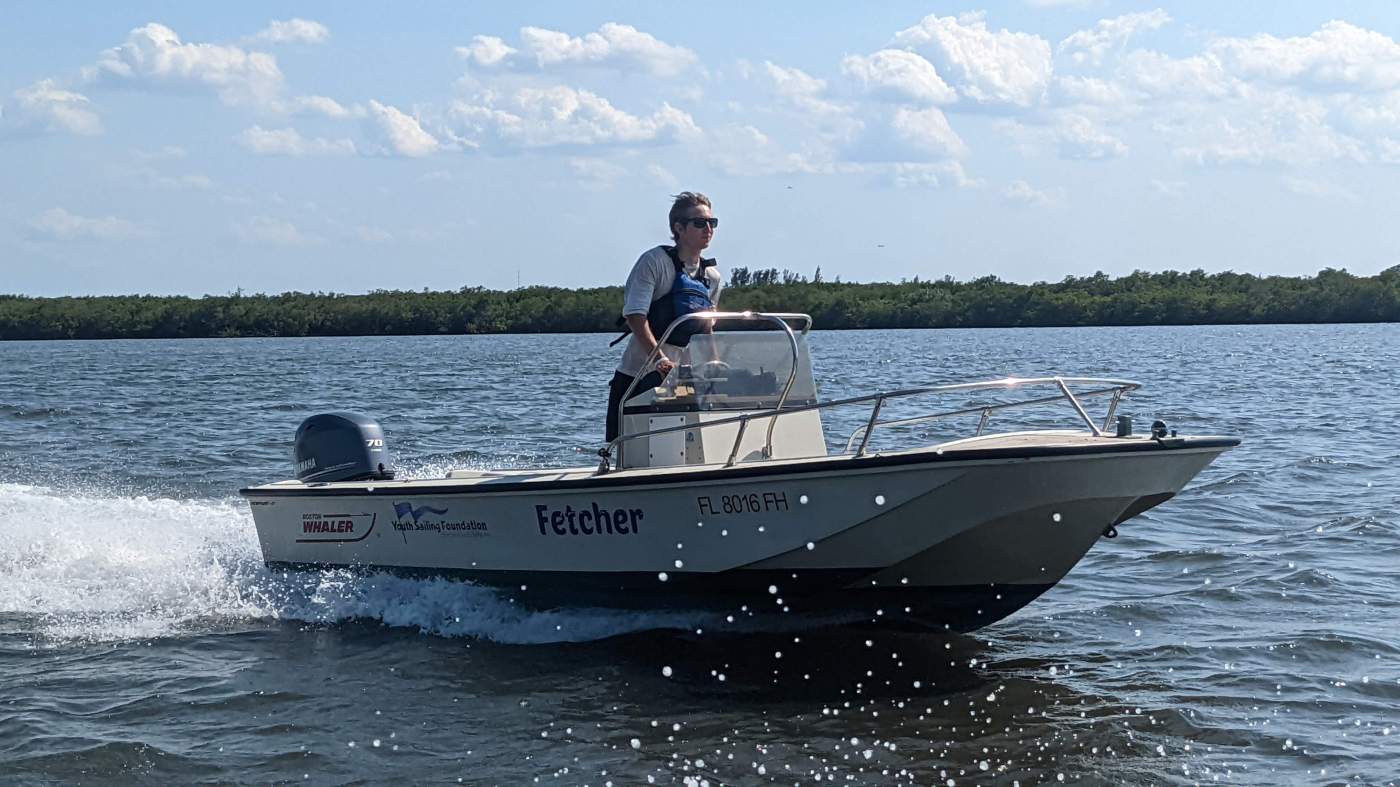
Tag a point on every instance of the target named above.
point(191, 148)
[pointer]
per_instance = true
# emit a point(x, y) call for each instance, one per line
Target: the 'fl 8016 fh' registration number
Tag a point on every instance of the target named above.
point(743, 503)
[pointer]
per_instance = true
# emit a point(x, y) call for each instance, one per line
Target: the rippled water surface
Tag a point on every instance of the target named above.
point(1247, 632)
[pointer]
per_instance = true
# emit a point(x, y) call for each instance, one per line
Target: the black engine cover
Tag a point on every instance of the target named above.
point(341, 447)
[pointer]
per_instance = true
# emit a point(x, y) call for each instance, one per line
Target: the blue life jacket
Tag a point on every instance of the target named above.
point(688, 294)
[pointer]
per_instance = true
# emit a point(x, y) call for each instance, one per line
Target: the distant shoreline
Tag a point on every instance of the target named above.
point(1139, 299)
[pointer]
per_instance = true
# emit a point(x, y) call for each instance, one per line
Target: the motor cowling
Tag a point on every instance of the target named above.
point(341, 447)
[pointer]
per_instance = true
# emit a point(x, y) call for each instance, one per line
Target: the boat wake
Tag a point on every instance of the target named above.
point(88, 566)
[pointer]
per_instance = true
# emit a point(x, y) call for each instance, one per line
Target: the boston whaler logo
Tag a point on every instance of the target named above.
point(335, 527)
point(425, 518)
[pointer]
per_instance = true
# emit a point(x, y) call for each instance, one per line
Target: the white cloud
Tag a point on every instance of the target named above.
point(989, 67)
point(1092, 90)
point(1371, 113)
point(267, 231)
point(154, 54)
point(290, 142)
point(906, 175)
point(1330, 95)
point(1089, 47)
point(903, 135)
point(294, 31)
point(1022, 193)
point(401, 132)
point(486, 51)
point(853, 136)
point(1160, 76)
point(928, 131)
point(1261, 127)
point(1333, 94)
point(663, 176)
point(899, 75)
point(59, 224)
point(1070, 134)
point(43, 106)
point(561, 115)
point(1339, 56)
point(797, 88)
point(1079, 138)
point(321, 105)
point(743, 150)
point(148, 175)
point(1388, 150)
point(597, 172)
point(613, 45)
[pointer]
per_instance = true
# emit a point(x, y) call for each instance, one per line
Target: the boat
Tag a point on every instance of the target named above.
point(724, 491)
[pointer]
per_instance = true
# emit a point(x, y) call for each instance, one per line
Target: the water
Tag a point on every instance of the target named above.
point(1247, 632)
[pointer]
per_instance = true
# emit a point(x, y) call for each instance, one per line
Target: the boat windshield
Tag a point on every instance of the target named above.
point(736, 370)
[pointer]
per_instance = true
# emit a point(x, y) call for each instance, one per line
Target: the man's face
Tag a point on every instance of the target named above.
point(697, 237)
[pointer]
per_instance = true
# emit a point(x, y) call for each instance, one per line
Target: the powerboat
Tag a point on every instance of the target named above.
point(724, 491)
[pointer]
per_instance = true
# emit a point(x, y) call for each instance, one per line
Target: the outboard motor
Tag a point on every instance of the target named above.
point(341, 447)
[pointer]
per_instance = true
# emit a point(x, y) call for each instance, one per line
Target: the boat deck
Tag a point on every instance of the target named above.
point(1002, 445)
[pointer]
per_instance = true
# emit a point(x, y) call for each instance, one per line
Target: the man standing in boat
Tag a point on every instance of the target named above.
point(665, 283)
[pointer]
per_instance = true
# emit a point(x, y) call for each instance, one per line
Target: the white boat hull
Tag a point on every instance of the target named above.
point(958, 537)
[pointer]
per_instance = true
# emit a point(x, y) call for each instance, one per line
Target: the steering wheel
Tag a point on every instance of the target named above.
point(713, 369)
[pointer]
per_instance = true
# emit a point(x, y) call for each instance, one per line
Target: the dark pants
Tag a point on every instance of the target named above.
point(616, 389)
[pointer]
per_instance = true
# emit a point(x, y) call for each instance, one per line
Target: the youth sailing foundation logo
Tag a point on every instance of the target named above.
point(402, 510)
point(426, 518)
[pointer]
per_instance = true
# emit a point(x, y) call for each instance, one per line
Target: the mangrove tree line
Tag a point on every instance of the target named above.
point(1169, 298)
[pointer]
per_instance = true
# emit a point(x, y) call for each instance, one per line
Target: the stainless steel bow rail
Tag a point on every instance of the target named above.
point(1115, 387)
point(1107, 387)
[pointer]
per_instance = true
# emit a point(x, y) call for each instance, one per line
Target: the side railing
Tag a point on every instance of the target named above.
point(1115, 389)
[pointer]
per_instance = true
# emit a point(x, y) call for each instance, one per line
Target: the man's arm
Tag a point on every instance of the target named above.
point(646, 340)
point(641, 285)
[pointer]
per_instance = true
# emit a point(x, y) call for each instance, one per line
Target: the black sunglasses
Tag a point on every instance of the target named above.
point(700, 223)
